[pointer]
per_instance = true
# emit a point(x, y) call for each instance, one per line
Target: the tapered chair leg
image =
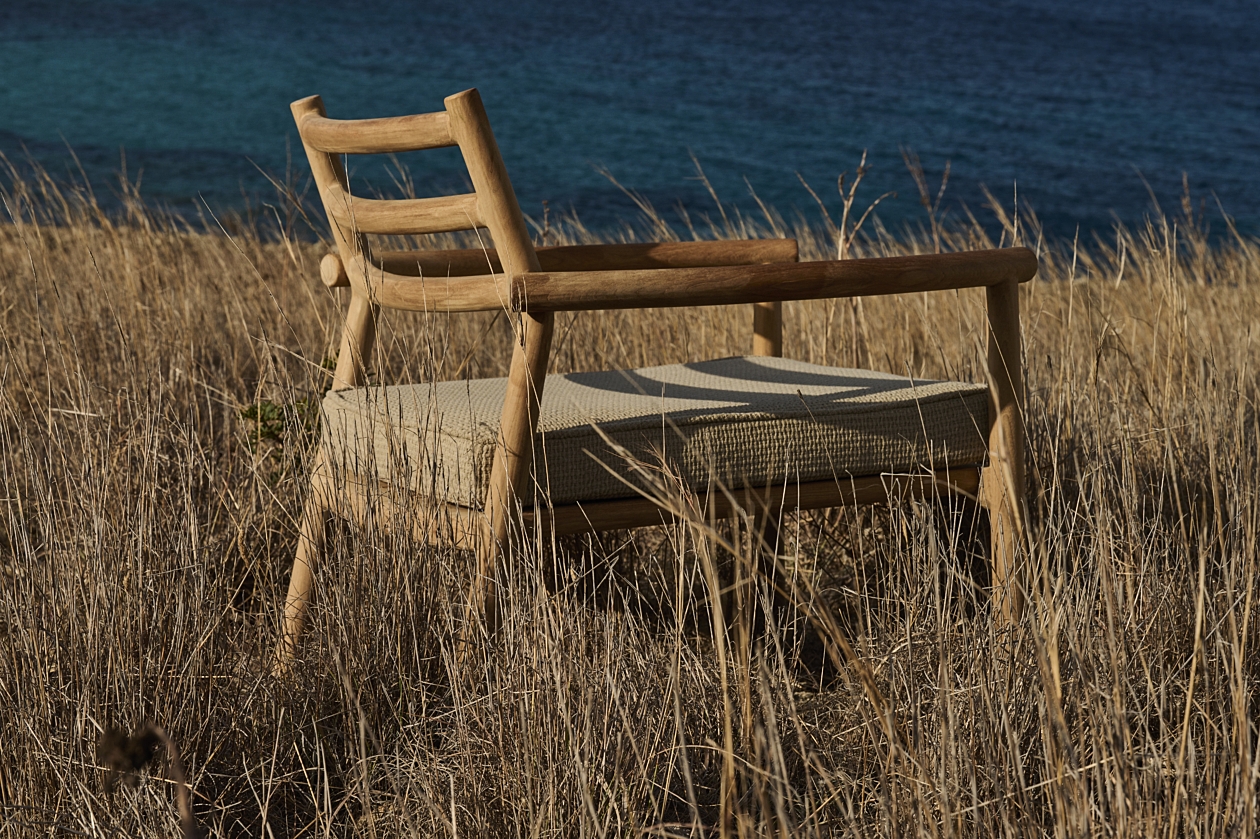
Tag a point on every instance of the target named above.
point(745, 613)
point(481, 606)
point(312, 535)
point(782, 613)
point(1005, 538)
point(1002, 483)
point(509, 474)
point(765, 541)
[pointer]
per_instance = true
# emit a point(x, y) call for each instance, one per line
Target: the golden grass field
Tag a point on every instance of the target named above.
point(156, 384)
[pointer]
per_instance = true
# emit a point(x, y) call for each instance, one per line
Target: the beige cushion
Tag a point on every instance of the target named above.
point(745, 421)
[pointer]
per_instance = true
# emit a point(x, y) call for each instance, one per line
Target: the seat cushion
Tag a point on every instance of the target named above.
point(745, 421)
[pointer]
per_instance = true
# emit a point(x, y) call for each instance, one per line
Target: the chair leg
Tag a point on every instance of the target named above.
point(509, 474)
point(311, 540)
point(959, 518)
point(1005, 536)
point(743, 609)
point(785, 613)
point(482, 602)
point(1002, 483)
point(1002, 494)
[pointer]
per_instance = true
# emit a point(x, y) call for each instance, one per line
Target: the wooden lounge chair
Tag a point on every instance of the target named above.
point(533, 450)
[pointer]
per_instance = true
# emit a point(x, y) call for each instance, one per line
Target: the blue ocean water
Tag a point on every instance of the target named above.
point(1075, 104)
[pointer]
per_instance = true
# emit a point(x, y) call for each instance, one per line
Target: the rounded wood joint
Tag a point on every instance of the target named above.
point(332, 271)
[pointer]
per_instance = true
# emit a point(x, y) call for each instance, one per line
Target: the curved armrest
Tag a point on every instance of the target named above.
point(578, 290)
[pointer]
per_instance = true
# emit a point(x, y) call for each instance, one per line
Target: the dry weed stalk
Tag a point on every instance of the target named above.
point(143, 540)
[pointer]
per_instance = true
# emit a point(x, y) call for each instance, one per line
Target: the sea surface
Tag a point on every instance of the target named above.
point(1085, 111)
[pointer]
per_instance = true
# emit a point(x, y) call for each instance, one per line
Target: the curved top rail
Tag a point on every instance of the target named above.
point(387, 135)
point(579, 290)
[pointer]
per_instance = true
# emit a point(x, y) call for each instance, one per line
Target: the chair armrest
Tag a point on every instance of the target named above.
point(633, 256)
point(652, 255)
point(578, 290)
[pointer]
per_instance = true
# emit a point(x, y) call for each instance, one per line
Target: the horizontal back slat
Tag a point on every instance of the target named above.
point(581, 290)
point(388, 135)
point(403, 216)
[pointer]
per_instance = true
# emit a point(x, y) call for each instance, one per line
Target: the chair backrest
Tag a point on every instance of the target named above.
point(492, 206)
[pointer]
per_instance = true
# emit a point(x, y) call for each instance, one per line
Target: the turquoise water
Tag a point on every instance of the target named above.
point(1072, 103)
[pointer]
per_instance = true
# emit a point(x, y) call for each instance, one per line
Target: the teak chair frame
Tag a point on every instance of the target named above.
point(534, 283)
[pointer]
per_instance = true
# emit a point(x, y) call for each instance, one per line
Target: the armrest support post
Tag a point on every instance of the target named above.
point(768, 328)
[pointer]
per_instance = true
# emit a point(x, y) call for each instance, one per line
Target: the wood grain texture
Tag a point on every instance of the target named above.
point(478, 293)
point(513, 455)
point(475, 261)
point(332, 272)
point(328, 173)
point(387, 135)
point(653, 255)
point(1003, 491)
point(358, 335)
point(579, 290)
point(403, 216)
point(768, 329)
point(312, 532)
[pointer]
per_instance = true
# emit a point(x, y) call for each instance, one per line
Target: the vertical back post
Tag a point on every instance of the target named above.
point(359, 332)
point(1002, 483)
point(513, 456)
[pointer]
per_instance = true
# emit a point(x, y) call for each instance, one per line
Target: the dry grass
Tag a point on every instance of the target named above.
point(147, 530)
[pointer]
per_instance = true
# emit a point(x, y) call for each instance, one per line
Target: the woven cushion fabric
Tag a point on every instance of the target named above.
point(744, 421)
